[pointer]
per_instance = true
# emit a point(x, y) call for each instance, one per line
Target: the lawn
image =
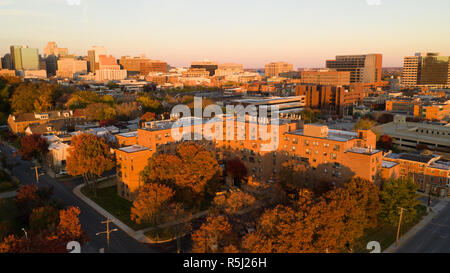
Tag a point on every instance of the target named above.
point(6, 182)
point(160, 234)
point(8, 214)
point(108, 199)
point(386, 234)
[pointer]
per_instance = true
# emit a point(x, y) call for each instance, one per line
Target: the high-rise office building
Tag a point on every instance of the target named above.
point(53, 49)
point(7, 62)
point(153, 66)
point(16, 57)
point(274, 69)
point(363, 68)
point(426, 69)
point(326, 77)
point(210, 66)
point(67, 67)
point(51, 65)
point(93, 57)
point(24, 58)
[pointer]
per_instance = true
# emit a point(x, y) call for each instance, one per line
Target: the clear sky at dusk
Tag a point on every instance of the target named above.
point(251, 32)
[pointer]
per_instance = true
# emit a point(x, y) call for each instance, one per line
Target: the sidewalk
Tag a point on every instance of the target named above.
point(138, 235)
point(117, 222)
point(8, 194)
point(434, 211)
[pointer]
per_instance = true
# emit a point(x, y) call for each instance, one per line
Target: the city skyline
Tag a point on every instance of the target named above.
point(250, 33)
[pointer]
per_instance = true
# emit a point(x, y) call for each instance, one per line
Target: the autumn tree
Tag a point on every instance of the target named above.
point(89, 156)
point(44, 218)
point(281, 230)
point(82, 98)
point(385, 142)
point(149, 105)
point(330, 223)
point(310, 115)
point(191, 172)
point(295, 177)
point(213, 235)
point(396, 194)
point(127, 111)
point(100, 111)
point(367, 124)
point(30, 97)
point(33, 146)
point(235, 202)
point(26, 200)
point(148, 116)
point(69, 226)
point(152, 200)
point(236, 169)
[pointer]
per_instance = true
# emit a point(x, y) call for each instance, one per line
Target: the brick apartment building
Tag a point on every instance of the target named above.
point(335, 155)
point(428, 171)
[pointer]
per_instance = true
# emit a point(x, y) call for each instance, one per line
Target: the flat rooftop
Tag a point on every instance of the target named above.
point(364, 151)
point(129, 134)
point(442, 165)
point(133, 149)
point(336, 135)
point(412, 157)
point(268, 100)
point(388, 164)
point(418, 131)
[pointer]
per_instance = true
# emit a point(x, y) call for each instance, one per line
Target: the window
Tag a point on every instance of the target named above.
point(306, 142)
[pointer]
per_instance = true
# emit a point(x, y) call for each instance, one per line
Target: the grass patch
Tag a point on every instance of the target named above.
point(160, 234)
point(8, 214)
point(6, 182)
point(108, 199)
point(386, 234)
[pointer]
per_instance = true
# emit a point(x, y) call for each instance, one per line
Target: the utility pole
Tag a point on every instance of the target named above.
point(399, 223)
point(205, 243)
point(107, 232)
point(37, 174)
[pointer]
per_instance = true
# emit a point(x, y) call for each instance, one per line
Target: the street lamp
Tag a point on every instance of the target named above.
point(26, 233)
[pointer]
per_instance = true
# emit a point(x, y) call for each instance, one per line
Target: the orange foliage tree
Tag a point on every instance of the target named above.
point(213, 236)
point(150, 203)
point(234, 202)
point(89, 156)
point(46, 240)
point(189, 172)
point(330, 223)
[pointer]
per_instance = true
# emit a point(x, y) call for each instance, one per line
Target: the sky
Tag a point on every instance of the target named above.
point(250, 32)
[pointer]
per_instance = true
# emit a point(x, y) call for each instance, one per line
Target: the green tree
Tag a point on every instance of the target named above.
point(396, 194)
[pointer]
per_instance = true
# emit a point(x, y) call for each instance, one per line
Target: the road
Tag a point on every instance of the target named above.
point(90, 220)
point(433, 237)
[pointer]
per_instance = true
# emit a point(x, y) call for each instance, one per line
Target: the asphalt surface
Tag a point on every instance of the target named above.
point(90, 220)
point(434, 237)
